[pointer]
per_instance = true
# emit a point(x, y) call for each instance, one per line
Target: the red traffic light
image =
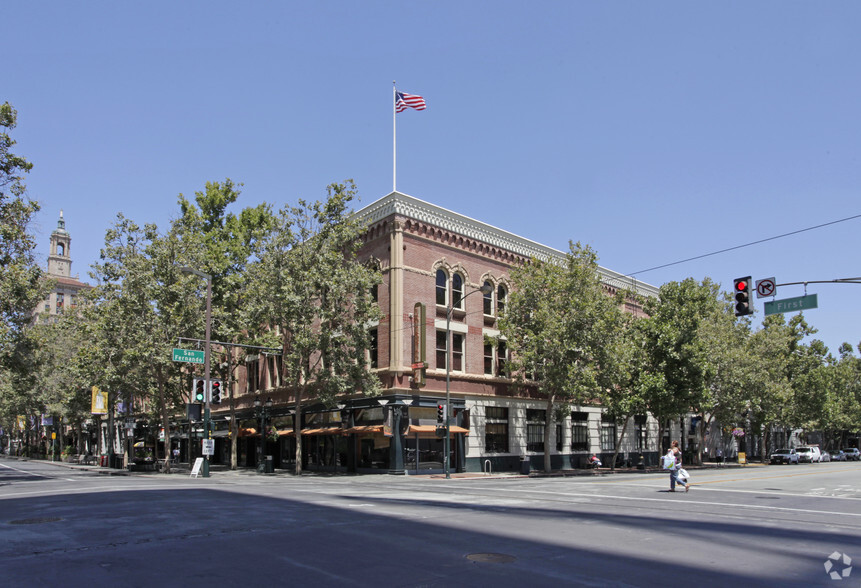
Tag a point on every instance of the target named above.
point(743, 305)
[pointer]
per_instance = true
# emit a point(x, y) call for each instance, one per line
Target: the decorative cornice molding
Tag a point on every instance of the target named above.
point(400, 204)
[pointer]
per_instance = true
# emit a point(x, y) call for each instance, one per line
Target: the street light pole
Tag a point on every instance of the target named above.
point(485, 289)
point(262, 411)
point(206, 370)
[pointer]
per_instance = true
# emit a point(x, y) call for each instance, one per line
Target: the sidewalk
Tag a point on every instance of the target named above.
point(184, 469)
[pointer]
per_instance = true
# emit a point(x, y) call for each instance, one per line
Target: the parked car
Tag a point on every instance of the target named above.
point(825, 456)
point(852, 453)
point(784, 456)
point(838, 455)
point(809, 454)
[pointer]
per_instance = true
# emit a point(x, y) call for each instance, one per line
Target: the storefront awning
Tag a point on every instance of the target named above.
point(323, 431)
point(365, 429)
point(431, 429)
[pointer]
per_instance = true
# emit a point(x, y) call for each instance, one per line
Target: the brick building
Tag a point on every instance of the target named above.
point(430, 256)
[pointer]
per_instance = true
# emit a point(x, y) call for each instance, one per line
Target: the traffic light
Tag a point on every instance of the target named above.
point(199, 390)
point(743, 304)
point(440, 414)
point(215, 391)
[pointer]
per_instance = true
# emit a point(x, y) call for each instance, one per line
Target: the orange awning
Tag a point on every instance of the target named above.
point(323, 431)
point(365, 429)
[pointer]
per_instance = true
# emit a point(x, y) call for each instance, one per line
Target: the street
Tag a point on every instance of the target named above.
point(753, 526)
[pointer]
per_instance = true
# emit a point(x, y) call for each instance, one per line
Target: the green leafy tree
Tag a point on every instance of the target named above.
point(311, 290)
point(680, 367)
point(21, 284)
point(225, 243)
point(558, 320)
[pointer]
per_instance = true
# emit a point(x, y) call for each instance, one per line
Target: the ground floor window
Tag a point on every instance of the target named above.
point(424, 454)
point(641, 433)
point(374, 452)
point(535, 429)
point(608, 434)
point(496, 429)
point(580, 431)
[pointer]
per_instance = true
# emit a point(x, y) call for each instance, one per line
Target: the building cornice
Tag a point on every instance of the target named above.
point(400, 204)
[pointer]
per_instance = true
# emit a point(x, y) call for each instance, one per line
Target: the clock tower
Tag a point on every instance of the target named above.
point(60, 259)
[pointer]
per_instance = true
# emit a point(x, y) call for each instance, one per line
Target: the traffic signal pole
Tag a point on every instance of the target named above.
point(207, 433)
point(207, 372)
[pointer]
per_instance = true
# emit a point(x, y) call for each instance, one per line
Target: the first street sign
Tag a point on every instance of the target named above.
point(791, 304)
point(187, 355)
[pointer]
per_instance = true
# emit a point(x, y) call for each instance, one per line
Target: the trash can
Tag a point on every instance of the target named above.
point(269, 468)
point(524, 466)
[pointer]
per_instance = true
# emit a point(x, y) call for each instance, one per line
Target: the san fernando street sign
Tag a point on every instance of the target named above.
point(188, 355)
point(791, 304)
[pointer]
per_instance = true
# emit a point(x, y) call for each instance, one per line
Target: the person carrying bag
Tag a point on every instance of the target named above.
point(672, 462)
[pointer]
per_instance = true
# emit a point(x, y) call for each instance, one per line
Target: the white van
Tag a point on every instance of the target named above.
point(808, 454)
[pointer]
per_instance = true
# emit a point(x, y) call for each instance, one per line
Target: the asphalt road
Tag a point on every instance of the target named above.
point(755, 526)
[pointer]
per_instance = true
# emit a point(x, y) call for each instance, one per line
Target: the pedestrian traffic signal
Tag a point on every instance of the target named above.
point(440, 414)
point(215, 391)
point(743, 304)
point(199, 390)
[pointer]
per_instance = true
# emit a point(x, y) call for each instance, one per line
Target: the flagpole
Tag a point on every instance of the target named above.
point(394, 139)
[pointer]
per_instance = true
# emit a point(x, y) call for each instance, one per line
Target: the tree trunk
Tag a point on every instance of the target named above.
point(548, 423)
point(619, 441)
point(297, 431)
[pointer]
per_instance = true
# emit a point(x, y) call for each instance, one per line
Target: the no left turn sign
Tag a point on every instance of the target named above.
point(766, 287)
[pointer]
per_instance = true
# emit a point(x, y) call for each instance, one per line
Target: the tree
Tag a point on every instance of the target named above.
point(679, 357)
point(313, 292)
point(226, 243)
point(557, 322)
point(21, 283)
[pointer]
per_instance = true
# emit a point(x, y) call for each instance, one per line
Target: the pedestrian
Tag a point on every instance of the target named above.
point(719, 456)
point(676, 455)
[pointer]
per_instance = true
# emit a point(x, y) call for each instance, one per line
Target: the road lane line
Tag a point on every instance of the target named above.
point(23, 471)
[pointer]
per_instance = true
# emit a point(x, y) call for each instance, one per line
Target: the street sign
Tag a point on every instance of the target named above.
point(766, 287)
point(791, 304)
point(188, 355)
point(208, 447)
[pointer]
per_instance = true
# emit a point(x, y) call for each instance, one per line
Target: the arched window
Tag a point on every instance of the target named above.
point(457, 291)
point(488, 298)
point(441, 288)
point(61, 249)
point(500, 300)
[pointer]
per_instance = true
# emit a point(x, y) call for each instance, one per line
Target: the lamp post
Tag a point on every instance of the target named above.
point(262, 409)
point(206, 372)
point(485, 289)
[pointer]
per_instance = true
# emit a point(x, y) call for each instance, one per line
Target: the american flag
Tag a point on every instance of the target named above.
point(404, 100)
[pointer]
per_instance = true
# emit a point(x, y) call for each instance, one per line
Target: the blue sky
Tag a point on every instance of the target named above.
point(652, 131)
